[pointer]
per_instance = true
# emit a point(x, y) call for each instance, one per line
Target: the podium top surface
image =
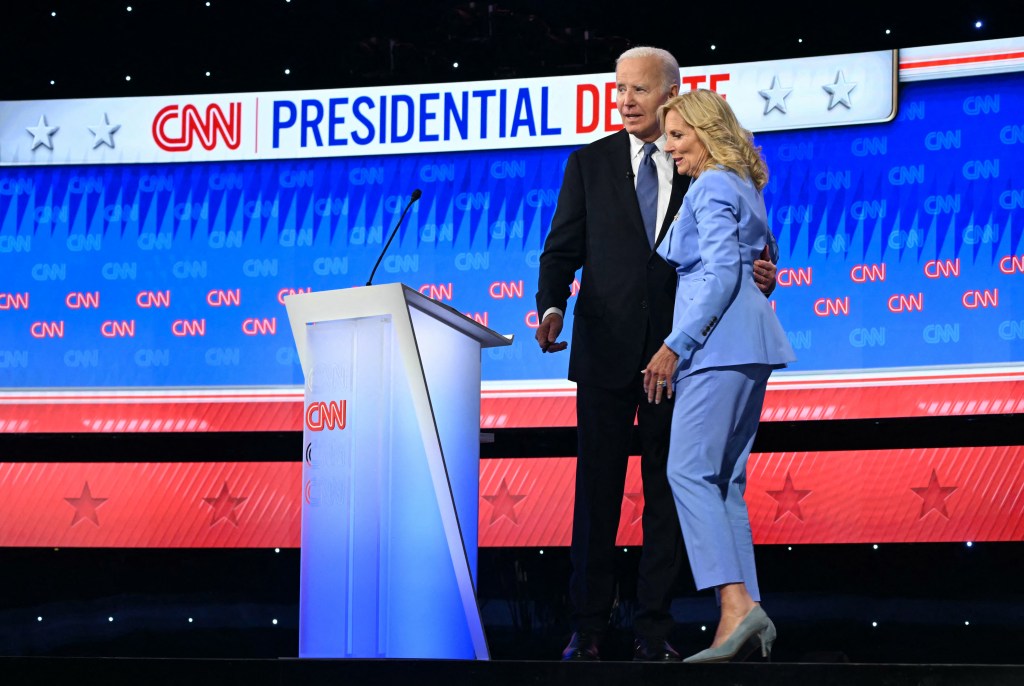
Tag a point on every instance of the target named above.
point(367, 301)
point(487, 337)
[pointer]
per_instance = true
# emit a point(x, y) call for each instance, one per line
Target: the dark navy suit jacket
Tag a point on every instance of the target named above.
point(623, 311)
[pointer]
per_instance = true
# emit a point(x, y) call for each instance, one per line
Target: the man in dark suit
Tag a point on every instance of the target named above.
point(618, 196)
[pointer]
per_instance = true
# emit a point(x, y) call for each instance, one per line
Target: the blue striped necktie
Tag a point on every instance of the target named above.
point(647, 191)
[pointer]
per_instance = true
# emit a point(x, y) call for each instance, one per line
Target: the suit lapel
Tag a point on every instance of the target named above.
point(680, 183)
point(626, 189)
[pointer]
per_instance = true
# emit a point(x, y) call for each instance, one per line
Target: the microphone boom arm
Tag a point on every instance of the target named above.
point(394, 232)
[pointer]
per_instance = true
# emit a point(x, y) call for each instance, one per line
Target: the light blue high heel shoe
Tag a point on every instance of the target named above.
point(755, 627)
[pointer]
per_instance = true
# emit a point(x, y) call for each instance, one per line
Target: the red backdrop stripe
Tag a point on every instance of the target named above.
point(878, 496)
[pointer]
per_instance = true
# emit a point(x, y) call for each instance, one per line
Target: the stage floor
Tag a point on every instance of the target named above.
point(17, 671)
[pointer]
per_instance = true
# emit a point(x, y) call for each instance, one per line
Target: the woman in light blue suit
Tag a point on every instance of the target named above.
point(725, 342)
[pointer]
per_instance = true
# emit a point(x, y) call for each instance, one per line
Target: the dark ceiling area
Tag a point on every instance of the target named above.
point(71, 48)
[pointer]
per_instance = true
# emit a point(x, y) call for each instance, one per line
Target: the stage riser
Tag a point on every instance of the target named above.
point(111, 671)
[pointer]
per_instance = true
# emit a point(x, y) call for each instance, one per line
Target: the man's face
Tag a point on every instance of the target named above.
point(641, 91)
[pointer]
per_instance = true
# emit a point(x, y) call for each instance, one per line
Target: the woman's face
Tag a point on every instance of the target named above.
point(688, 153)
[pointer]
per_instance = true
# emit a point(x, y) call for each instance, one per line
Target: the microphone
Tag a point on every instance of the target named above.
point(415, 196)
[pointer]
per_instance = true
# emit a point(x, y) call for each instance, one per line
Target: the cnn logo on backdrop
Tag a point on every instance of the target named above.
point(177, 127)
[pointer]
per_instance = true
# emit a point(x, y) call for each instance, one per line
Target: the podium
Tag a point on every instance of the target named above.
point(390, 475)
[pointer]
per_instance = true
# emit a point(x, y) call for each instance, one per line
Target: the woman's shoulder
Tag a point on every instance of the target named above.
point(723, 175)
point(720, 179)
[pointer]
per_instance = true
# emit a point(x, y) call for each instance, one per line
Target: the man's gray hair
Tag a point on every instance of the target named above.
point(669, 65)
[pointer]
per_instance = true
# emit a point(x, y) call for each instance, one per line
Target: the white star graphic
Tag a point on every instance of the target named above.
point(41, 133)
point(104, 132)
point(775, 97)
point(839, 91)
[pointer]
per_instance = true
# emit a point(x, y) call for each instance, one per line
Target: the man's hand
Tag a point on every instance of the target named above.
point(547, 334)
point(764, 273)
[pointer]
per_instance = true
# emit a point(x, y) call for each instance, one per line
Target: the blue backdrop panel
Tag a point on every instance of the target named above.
point(171, 275)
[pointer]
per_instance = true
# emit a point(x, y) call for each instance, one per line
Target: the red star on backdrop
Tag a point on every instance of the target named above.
point(638, 506)
point(788, 500)
point(503, 504)
point(934, 496)
point(85, 506)
point(224, 505)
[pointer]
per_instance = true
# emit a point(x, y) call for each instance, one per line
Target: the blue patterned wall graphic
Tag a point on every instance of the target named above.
point(901, 246)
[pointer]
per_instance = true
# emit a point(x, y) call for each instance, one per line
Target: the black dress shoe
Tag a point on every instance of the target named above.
point(582, 648)
point(654, 650)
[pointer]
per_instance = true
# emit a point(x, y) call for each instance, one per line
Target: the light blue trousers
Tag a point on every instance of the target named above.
point(713, 427)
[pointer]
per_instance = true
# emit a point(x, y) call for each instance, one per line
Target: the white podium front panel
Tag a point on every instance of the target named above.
point(347, 411)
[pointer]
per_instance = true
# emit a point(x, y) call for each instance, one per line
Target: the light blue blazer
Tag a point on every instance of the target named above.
point(721, 319)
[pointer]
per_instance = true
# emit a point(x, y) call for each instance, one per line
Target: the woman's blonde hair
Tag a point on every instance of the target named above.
point(729, 145)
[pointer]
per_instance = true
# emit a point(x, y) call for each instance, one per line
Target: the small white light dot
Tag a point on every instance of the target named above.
point(714, 47)
point(207, 73)
point(53, 14)
point(189, 620)
point(703, 628)
point(967, 623)
point(625, 550)
point(129, 8)
point(277, 550)
point(274, 622)
point(207, 4)
point(970, 544)
point(39, 619)
point(287, 71)
point(875, 546)
point(799, 40)
point(790, 548)
point(455, 64)
point(888, 32)
point(977, 24)
point(874, 623)
point(128, 78)
point(541, 551)
point(110, 619)
point(52, 82)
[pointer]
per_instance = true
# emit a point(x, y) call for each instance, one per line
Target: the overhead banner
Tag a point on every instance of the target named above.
point(799, 93)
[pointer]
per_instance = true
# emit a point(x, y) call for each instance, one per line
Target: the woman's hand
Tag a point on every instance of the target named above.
point(658, 374)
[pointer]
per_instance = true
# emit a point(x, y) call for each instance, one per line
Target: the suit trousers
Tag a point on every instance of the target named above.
point(605, 421)
point(716, 416)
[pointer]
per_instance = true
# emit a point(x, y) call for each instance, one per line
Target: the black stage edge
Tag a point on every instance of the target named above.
point(18, 671)
point(286, 446)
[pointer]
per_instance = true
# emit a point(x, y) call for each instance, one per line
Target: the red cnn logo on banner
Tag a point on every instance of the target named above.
point(175, 127)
